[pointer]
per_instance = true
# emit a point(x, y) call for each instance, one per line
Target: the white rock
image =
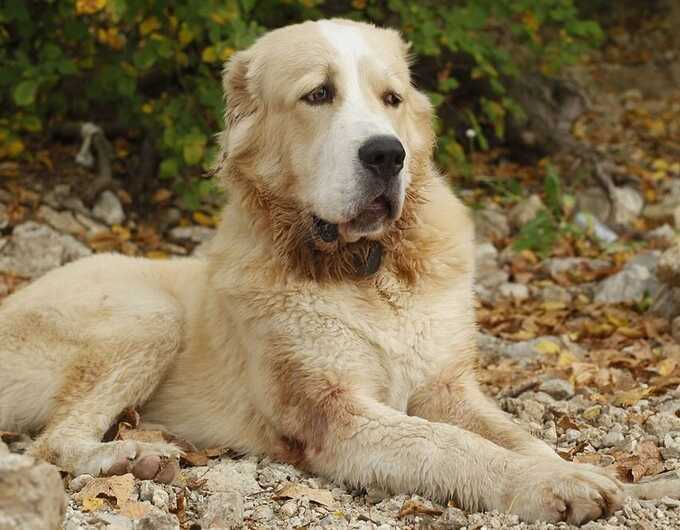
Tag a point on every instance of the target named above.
point(613, 439)
point(557, 388)
point(515, 291)
point(233, 476)
point(631, 284)
point(79, 482)
point(31, 494)
point(490, 224)
point(223, 510)
point(109, 209)
point(61, 221)
point(35, 249)
point(195, 233)
point(662, 233)
point(4, 218)
point(525, 211)
point(627, 203)
point(555, 293)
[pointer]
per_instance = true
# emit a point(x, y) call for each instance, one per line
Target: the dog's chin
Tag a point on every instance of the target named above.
point(371, 221)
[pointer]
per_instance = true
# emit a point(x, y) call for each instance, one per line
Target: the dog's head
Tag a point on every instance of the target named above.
point(323, 115)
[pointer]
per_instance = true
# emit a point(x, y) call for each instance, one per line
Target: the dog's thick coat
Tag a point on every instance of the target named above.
point(352, 357)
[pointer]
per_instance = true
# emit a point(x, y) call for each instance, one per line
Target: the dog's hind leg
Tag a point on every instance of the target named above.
point(101, 363)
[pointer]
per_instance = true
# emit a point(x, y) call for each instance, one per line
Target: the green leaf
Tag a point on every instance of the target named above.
point(25, 92)
point(194, 148)
point(169, 168)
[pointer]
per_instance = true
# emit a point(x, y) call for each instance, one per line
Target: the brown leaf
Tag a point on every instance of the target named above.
point(412, 507)
point(195, 458)
point(291, 490)
point(135, 510)
point(118, 487)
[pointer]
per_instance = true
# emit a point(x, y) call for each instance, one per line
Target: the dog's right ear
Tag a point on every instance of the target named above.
point(240, 101)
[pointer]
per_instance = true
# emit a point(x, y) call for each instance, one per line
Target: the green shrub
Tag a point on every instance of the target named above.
point(153, 66)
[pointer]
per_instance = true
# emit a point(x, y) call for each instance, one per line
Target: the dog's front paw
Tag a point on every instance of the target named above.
point(560, 491)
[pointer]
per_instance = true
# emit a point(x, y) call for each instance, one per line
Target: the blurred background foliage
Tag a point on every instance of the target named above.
point(151, 68)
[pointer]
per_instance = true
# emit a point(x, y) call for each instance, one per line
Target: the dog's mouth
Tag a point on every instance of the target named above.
point(369, 220)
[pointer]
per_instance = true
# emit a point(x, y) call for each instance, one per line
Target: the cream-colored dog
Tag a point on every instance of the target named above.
point(332, 323)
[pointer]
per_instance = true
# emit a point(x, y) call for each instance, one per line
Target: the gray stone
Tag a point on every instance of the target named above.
point(34, 249)
point(667, 303)
point(490, 224)
point(31, 494)
point(109, 209)
point(514, 291)
point(661, 424)
point(671, 446)
point(557, 388)
point(627, 206)
point(4, 218)
point(668, 267)
point(57, 197)
point(223, 510)
point(159, 495)
point(61, 221)
point(675, 329)
point(195, 233)
point(557, 266)
point(613, 439)
point(630, 284)
point(232, 476)
point(664, 211)
point(555, 293)
point(663, 233)
point(263, 513)
point(288, 509)
point(79, 482)
point(525, 211)
point(595, 201)
point(92, 226)
point(155, 519)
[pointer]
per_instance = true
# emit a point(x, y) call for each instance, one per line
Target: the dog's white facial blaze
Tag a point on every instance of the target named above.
point(335, 190)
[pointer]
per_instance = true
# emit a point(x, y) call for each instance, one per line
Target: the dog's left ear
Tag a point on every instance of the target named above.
point(240, 101)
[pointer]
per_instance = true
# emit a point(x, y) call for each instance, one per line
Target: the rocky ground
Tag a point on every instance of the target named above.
point(579, 342)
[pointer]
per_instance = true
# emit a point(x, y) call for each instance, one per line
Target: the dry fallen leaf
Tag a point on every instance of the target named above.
point(118, 487)
point(645, 462)
point(630, 397)
point(412, 507)
point(296, 491)
point(92, 504)
point(135, 510)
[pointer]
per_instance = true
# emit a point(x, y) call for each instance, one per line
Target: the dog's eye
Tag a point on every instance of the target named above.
point(391, 99)
point(321, 94)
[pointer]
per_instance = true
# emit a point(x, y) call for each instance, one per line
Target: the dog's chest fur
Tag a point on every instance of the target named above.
point(402, 335)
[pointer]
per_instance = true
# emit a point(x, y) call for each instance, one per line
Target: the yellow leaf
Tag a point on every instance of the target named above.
point(546, 347)
point(553, 305)
point(15, 148)
point(226, 53)
point(209, 55)
point(203, 219)
point(156, 254)
point(185, 35)
point(147, 108)
point(566, 359)
point(91, 504)
point(592, 412)
point(667, 366)
point(89, 7)
point(630, 397)
point(149, 25)
point(660, 164)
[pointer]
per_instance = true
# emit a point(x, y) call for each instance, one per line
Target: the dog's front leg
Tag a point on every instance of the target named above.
point(454, 396)
point(360, 441)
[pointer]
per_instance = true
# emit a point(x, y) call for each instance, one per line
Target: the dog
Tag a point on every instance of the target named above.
point(331, 324)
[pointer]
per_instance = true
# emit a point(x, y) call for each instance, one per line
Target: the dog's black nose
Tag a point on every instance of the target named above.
point(383, 156)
